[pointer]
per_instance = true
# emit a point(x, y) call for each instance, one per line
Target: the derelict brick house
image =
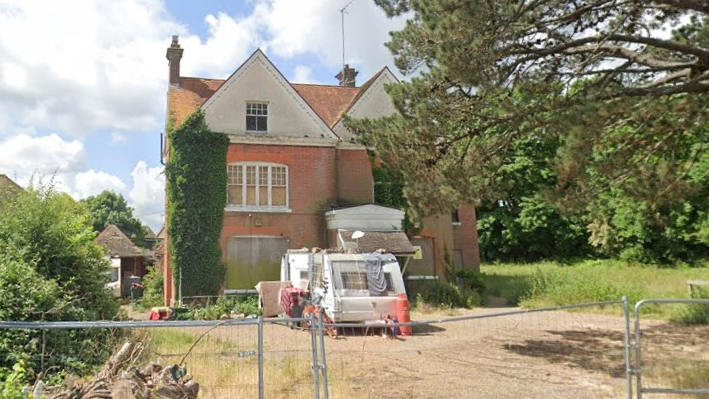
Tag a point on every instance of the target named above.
point(296, 178)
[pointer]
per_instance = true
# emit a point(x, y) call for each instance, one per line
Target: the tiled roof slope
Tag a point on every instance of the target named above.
point(8, 186)
point(184, 100)
point(117, 244)
point(329, 102)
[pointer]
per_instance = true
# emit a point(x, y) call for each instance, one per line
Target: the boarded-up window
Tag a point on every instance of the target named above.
point(257, 186)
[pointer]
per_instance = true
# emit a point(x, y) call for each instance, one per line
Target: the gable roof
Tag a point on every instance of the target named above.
point(7, 185)
point(117, 243)
point(259, 58)
point(329, 102)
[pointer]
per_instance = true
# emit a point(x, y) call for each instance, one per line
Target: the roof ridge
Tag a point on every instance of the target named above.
point(325, 85)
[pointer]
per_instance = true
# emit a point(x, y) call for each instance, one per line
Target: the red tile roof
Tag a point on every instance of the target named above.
point(329, 102)
point(117, 243)
point(184, 100)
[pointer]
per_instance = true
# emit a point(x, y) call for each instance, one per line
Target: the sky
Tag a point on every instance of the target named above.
point(83, 83)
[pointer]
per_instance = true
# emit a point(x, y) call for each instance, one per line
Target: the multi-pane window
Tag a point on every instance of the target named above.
point(261, 186)
point(256, 117)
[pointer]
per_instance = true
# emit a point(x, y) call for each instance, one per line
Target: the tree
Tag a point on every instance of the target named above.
point(522, 225)
point(111, 208)
point(625, 79)
point(51, 270)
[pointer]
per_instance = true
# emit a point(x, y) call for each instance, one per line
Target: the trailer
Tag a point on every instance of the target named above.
point(349, 287)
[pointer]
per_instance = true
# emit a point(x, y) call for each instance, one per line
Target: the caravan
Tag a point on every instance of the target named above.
point(349, 287)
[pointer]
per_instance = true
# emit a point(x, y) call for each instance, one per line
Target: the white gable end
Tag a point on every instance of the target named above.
point(374, 103)
point(258, 81)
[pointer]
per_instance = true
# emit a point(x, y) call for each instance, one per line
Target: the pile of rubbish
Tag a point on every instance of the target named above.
point(117, 379)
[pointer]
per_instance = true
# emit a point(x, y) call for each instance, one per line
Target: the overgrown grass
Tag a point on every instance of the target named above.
point(226, 366)
point(550, 283)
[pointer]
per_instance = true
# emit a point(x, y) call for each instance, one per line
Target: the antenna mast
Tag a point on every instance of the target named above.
point(342, 13)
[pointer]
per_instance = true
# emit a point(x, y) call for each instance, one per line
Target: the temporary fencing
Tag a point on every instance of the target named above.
point(669, 360)
point(583, 350)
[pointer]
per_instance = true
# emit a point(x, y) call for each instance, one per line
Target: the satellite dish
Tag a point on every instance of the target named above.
point(357, 234)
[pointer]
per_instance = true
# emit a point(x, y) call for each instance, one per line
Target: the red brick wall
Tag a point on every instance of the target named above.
point(311, 190)
point(354, 182)
point(465, 237)
point(439, 228)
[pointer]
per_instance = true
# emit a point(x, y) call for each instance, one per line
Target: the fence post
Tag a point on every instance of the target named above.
point(314, 346)
point(638, 350)
point(628, 366)
point(321, 331)
point(260, 359)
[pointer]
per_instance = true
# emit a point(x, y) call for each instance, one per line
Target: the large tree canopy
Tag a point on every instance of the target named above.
point(622, 84)
point(111, 208)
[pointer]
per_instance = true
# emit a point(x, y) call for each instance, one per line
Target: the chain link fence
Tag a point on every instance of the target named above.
point(585, 350)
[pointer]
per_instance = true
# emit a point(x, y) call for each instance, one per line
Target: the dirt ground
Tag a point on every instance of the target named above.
point(532, 355)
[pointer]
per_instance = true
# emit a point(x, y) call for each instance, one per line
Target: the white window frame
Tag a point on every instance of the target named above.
point(247, 114)
point(244, 191)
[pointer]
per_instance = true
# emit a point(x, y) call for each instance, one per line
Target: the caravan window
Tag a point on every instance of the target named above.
point(354, 280)
point(351, 279)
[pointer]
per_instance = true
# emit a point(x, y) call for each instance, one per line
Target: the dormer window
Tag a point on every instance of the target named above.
point(256, 117)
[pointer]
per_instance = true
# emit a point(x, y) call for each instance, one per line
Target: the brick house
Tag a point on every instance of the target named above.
point(293, 167)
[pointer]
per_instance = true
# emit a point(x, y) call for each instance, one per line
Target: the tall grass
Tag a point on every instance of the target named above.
point(550, 283)
point(227, 367)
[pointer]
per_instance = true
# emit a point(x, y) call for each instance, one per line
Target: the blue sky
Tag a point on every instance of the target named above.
point(83, 82)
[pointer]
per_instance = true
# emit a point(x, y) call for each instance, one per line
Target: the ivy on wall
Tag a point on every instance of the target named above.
point(196, 193)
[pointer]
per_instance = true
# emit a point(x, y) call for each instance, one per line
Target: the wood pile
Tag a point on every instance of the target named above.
point(119, 380)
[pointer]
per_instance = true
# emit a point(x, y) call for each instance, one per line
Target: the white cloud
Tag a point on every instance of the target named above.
point(147, 197)
point(315, 27)
point(79, 65)
point(93, 182)
point(24, 155)
point(304, 74)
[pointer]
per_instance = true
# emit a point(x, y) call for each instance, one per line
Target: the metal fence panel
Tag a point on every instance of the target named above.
point(545, 353)
point(221, 356)
point(672, 359)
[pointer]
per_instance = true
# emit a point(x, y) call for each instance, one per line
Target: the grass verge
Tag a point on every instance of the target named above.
point(550, 283)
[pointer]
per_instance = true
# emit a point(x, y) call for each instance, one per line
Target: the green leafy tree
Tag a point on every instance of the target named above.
point(489, 73)
point(51, 270)
point(389, 191)
point(620, 86)
point(111, 208)
point(196, 192)
point(523, 225)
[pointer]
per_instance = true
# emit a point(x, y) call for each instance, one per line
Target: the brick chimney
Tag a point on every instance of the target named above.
point(347, 76)
point(174, 55)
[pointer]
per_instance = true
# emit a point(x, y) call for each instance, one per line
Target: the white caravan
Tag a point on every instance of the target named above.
point(349, 287)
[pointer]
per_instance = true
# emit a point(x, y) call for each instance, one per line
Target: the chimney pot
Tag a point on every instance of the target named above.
point(174, 55)
point(347, 76)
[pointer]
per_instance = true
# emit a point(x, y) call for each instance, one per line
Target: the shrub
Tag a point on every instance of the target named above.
point(224, 306)
point(153, 294)
point(443, 294)
point(51, 270)
point(695, 314)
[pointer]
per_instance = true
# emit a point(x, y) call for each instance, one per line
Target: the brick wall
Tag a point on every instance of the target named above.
point(315, 174)
point(354, 182)
point(465, 237)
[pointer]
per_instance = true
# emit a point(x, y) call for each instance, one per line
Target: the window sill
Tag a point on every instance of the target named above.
point(258, 209)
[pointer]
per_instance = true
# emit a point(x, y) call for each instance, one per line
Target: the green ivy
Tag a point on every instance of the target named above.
point(196, 192)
